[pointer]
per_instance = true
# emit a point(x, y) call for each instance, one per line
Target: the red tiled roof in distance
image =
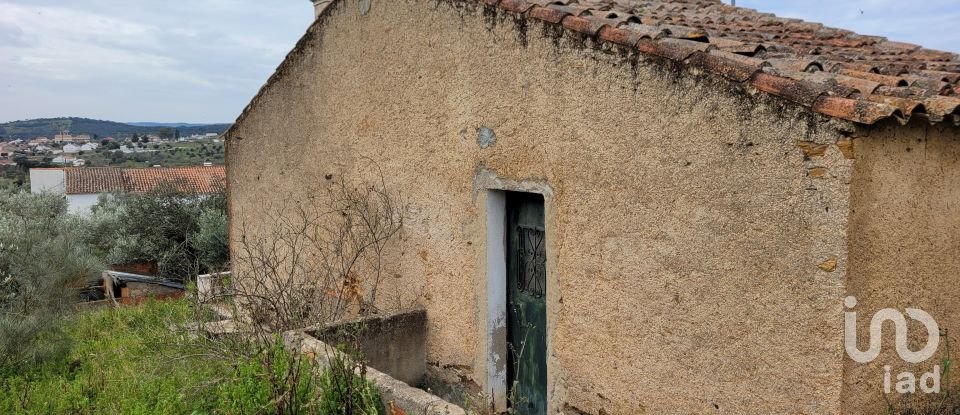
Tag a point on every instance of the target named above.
point(834, 72)
point(194, 180)
point(87, 180)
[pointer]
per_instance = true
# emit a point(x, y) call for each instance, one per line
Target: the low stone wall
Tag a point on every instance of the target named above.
point(395, 344)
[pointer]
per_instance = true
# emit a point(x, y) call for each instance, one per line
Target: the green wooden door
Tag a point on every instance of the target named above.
point(526, 304)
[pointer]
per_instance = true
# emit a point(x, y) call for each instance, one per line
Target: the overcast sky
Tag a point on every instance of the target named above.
point(203, 60)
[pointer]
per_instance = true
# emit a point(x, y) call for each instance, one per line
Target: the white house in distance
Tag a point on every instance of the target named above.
point(74, 148)
point(83, 186)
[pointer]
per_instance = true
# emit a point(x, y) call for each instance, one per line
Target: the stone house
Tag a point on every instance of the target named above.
point(679, 195)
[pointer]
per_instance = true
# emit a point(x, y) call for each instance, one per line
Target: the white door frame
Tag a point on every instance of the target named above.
point(493, 290)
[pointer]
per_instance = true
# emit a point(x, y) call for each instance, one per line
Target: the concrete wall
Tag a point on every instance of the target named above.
point(696, 232)
point(393, 344)
point(904, 248)
point(48, 180)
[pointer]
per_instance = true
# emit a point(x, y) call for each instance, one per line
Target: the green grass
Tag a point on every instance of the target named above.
point(128, 361)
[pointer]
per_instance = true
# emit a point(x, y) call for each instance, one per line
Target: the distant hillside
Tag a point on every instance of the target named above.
point(47, 127)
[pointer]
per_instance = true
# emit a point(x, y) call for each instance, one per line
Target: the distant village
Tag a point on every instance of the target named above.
point(66, 149)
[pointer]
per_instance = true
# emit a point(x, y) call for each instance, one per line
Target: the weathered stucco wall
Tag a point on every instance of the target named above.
point(904, 248)
point(697, 252)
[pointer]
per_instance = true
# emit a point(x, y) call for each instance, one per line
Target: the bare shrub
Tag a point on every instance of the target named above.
point(318, 264)
point(311, 263)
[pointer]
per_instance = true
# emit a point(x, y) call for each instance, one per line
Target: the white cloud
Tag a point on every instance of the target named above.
point(69, 45)
point(47, 22)
point(197, 61)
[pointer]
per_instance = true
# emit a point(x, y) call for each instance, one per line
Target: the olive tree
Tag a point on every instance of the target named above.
point(44, 258)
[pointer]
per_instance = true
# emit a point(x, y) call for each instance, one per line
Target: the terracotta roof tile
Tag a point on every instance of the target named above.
point(833, 71)
point(737, 68)
point(942, 106)
point(887, 80)
point(89, 180)
point(907, 106)
point(197, 180)
point(548, 14)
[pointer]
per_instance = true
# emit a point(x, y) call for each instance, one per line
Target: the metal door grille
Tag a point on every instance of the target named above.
point(532, 254)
